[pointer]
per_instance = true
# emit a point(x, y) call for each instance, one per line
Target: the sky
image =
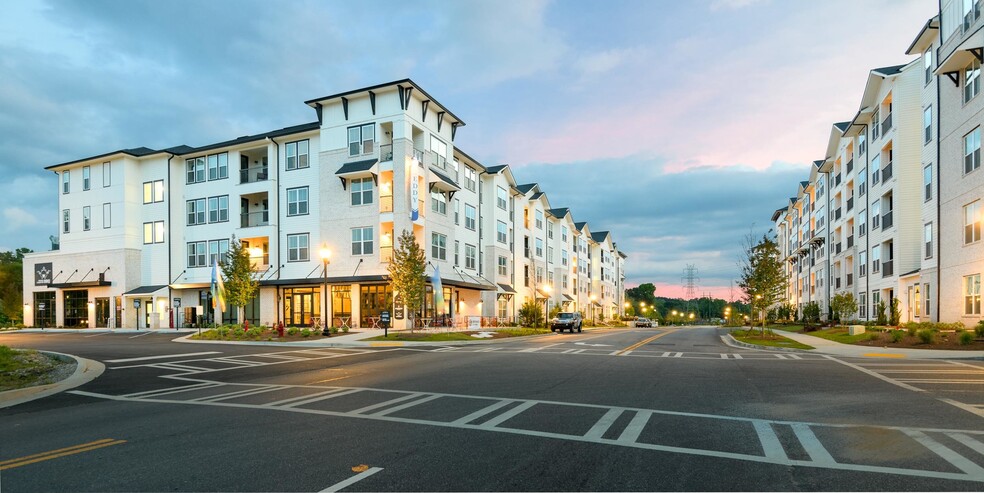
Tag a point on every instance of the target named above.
point(679, 126)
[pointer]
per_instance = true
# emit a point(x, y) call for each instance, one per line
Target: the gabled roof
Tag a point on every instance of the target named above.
point(559, 212)
point(778, 213)
point(497, 168)
point(580, 226)
point(525, 188)
point(600, 236)
point(925, 37)
point(397, 83)
point(536, 195)
point(842, 126)
point(470, 159)
point(889, 71)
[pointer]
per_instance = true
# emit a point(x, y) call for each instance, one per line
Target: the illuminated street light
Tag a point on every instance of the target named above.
point(325, 259)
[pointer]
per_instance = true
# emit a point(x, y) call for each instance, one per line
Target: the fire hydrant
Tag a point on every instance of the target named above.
point(280, 330)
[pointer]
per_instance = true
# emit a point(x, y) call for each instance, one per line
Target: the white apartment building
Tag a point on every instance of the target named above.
point(139, 229)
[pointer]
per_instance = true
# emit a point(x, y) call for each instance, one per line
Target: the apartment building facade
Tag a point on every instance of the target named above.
point(871, 202)
point(140, 229)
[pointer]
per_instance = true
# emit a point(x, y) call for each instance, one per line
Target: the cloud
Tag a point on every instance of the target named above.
point(718, 5)
point(16, 218)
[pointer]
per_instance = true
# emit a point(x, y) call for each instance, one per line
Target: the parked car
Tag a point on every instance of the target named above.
point(566, 320)
point(643, 322)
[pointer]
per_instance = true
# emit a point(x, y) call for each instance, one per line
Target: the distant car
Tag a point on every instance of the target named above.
point(566, 320)
point(643, 322)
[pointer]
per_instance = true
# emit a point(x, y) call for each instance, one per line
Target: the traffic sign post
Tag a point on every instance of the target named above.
point(384, 320)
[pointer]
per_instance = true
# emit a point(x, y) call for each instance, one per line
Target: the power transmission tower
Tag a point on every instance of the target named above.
point(690, 280)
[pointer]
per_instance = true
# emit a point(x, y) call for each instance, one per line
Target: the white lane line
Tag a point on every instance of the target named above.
point(481, 412)
point(502, 418)
point(779, 356)
point(251, 389)
point(770, 441)
point(172, 390)
point(535, 349)
point(568, 351)
point(261, 390)
point(603, 424)
point(350, 481)
point(632, 431)
point(951, 372)
point(875, 374)
point(579, 351)
point(408, 405)
point(615, 353)
point(179, 367)
point(959, 461)
point(724, 356)
point(737, 356)
point(678, 355)
point(96, 335)
point(966, 407)
point(140, 335)
point(811, 444)
point(163, 356)
point(320, 398)
point(362, 410)
point(940, 380)
point(300, 397)
point(666, 354)
point(968, 442)
point(961, 363)
point(795, 356)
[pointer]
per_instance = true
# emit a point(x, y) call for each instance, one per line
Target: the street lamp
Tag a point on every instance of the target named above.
point(325, 259)
point(546, 304)
point(752, 309)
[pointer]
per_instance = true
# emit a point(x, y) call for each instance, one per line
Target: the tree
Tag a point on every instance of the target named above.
point(881, 318)
point(12, 285)
point(811, 312)
point(763, 279)
point(530, 314)
point(241, 280)
point(896, 315)
point(406, 271)
point(843, 305)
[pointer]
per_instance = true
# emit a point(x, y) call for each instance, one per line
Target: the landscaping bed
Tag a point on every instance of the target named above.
point(260, 333)
point(913, 335)
point(458, 336)
point(27, 368)
point(768, 338)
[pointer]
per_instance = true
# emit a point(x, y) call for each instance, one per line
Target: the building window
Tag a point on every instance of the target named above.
point(218, 209)
point(972, 80)
point(539, 219)
point(550, 254)
point(360, 139)
point(502, 308)
point(928, 239)
point(563, 234)
point(470, 256)
point(439, 203)
point(928, 64)
point(862, 222)
point(972, 295)
point(875, 259)
point(196, 254)
point(862, 263)
point(972, 150)
point(66, 181)
point(470, 178)
point(361, 191)
point(297, 201)
point(502, 266)
point(539, 247)
point(297, 154)
point(457, 211)
point(196, 211)
point(217, 250)
point(153, 191)
point(928, 182)
point(440, 150)
point(500, 197)
point(153, 232)
point(500, 232)
point(107, 215)
point(218, 166)
point(298, 247)
point(362, 241)
point(86, 178)
point(195, 168)
point(86, 218)
point(107, 168)
point(470, 217)
point(563, 257)
point(457, 249)
point(926, 298)
point(550, 228)
point(972, 222)
point(862, 305)
point(927, 125)
point(862, 144)
point(66, 220)
point(439, 246)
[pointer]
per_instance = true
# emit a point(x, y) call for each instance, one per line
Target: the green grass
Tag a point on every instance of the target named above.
point(522, 331)
point(787, 328)
point(773, 340)
point(19, 369)
point(839, 334)
point(425, 337)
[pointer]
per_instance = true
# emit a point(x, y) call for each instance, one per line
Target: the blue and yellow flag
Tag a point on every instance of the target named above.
point(218, 288)
point(438, 291)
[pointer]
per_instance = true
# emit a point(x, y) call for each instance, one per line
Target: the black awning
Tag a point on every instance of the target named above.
point(356, 167)
point(80, 284)
point(507, 289)
point(445, 181)
point(321, 280)
point(463, 284)
point(145, 290)
point(569, 297)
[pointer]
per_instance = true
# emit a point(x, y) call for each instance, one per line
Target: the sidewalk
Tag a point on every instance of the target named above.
point(832, 348)
point(97, 331)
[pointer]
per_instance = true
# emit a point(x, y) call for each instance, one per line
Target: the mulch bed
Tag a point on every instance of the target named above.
point(945, 340)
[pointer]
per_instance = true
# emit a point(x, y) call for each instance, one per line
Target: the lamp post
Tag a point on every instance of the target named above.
point(593, 298)
point(325, 259)
point(752, 309)
point(546, 304)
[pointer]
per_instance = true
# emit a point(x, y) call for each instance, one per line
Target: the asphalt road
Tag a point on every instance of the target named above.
point(632, 409)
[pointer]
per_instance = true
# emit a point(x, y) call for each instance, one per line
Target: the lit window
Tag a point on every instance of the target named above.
point(972, 222)
point(972, 150)
point(972, 295)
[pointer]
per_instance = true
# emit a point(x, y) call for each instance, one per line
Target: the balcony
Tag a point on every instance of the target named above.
point(886, 172)
point(850, 166)
point(254, 219)
point(886, 124)
point(254, 174)
point(850, 241)
point(386, 203)
point(850, 280)
point(385, 153)
point(850, 204)
point(837, 283)
point(886, 220)
point(419, 156)
point(837, 248)
point(837, 179)
point(837, 213)
point(887, 268)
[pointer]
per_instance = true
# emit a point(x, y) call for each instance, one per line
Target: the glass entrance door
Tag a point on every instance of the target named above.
point(302, 306)
point(102, 312)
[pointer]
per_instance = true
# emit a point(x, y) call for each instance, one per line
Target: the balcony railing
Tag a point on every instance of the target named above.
point(837, 213)
point(886, 220)
point(386, 203)
point(886, 172)
point(887, 268)
point(385, 253)
point(850, 280)
point(253, 219)
point(837, 283)
point(850, 166)
point(419, 156)
point(837, 248)
point(850, 241)
point(385, 153)
point(837, 179)
point(254, 174)
point(850, 203)
point(886, 124)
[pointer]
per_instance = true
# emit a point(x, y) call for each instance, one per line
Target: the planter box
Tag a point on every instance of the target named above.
point(855, 329)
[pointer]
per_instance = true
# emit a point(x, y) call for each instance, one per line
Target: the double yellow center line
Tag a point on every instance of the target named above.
point(643, 342)
point(62, 452)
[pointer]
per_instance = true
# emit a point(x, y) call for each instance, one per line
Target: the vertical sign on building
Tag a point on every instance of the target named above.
point(414, 190)
point(42, 274)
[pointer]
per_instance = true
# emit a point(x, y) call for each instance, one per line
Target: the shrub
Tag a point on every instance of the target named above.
point(881, 319)
point(874, 336)
point(293, 331)
point(333, 330)
point(530, 314)
point(897, 335)
point(912, 331)
point(966, 338)
point(979, 328)
point(926, 336)
point(896, 312)
point(254, 333)
point(811, 312)
point(345, 329)
point(305, 332)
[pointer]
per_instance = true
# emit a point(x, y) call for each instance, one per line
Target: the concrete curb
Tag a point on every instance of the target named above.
point(100, 331)
point(731, 341)
point(86, 370)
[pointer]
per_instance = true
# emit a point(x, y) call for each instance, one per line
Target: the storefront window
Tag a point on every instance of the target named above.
point(102, 312)
point(44, 309)
point(341, 305)
point(302, 306)
point(373, 300)
point(77, 308)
